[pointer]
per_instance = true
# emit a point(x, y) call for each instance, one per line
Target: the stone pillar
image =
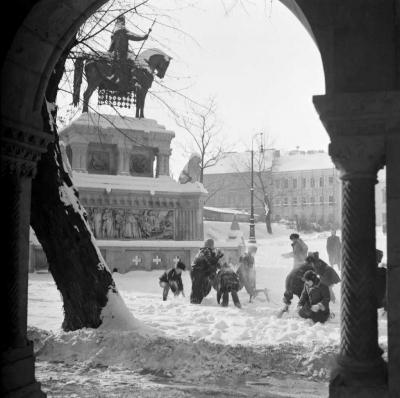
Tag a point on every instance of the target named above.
point(360, 371)
point(163, 164)
point(356, 123)
point(79, 156)
point(20, 152)
point(393, 260)
point(123, 161)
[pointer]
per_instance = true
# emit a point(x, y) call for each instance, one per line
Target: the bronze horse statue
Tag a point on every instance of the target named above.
point(99, 72)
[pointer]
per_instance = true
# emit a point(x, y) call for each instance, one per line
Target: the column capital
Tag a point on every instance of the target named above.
point(365, 113)
point(21, 149)
point(358, 156)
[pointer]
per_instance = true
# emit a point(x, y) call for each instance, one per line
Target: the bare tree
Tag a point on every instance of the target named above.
point(202, 125)
point(57, 217)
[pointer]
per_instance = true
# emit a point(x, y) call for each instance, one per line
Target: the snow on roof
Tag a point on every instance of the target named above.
point(162, 184)
point(239, 162)
point(303, 161)
point(88, 121)
point(225, 210)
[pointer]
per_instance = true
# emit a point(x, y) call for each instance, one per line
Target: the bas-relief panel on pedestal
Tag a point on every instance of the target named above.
point(111, 223)
point(140, 164)
point(99, 162)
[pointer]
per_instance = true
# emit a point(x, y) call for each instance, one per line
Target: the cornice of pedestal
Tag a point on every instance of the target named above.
point(360, 114)
point(21, 148)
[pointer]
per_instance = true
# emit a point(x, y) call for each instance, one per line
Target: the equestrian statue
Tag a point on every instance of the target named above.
point(119, 74)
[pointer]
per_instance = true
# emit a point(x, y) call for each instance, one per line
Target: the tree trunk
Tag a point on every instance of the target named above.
point(60, 224)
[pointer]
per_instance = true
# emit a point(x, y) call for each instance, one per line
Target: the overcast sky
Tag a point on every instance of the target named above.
point(259, 63)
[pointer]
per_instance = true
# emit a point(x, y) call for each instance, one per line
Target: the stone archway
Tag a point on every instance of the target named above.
point(359, 43)
point(35, 41)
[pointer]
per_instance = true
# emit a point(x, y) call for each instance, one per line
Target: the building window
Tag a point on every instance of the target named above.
point(304, 201)
point(294, 182)
point(312, 182)
point(321, 181)
point(285, 183)
point(321, 200)
point(330, 180)
point(331, 200)
point(312, 200)
point(303, 182)
point(294, 201)
point(285, 201)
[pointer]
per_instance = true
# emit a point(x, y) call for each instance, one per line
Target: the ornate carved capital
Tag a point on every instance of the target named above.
point(369, 113)
point(21, 148)
point(358, 156)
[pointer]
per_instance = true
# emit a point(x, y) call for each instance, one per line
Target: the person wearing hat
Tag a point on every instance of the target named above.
point(326, 273)
point(172, 279)
point(314, 300)
point(300, 250)
point(227, 281)
point(204, 270)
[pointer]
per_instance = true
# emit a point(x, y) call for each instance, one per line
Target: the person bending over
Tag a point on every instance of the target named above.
point(172, 279)
point(314, 300)
point(227, 281)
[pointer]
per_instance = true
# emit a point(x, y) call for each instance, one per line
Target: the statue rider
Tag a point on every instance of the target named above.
point(119, 48)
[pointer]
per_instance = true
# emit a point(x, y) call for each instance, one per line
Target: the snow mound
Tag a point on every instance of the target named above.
point(183, 359)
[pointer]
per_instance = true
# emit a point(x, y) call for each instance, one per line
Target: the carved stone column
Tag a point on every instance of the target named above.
point(163, 164)
point(20, 151)
point(357, 124)
point(360, 370)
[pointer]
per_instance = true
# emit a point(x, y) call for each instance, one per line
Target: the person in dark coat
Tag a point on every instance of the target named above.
point(294, 285)
point(204, 271)
point(334, 249)
point(314, 300)
point(172, 279)
point(326, 273)
point(300, 250)
point(247, 273)
point(227, 281)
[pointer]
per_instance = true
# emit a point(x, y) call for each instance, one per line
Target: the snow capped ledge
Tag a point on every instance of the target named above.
point(162, 184)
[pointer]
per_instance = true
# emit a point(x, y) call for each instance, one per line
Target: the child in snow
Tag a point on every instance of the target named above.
point(314, 300)
point(227, 282)
point(247, 273)
point(172, 279)
point(300, 250)
point(326, 273)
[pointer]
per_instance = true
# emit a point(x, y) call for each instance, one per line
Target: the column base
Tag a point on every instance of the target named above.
point(17, 374)
point(354, 379)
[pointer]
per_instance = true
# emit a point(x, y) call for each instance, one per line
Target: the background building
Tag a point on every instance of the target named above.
point(301, 185)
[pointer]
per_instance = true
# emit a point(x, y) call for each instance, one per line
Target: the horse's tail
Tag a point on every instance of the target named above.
point(77, 80)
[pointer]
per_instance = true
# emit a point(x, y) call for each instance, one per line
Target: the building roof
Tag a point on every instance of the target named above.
point(162, 184)
point(239, 162)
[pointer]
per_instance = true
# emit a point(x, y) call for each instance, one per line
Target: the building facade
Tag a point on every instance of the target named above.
point(301, 185)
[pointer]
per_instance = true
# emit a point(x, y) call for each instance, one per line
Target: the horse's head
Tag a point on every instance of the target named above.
point(157, 60)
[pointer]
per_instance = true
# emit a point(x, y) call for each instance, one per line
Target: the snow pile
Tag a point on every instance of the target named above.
point(182, 359)
point(116, 316)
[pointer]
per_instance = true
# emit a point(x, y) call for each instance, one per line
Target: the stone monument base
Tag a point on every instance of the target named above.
point(126, 256)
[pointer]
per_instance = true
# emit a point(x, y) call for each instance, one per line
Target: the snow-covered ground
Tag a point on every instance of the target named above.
point(200, 346)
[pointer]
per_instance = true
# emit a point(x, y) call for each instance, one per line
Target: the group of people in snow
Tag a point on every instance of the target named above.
point(311, 278)
point(209, 270)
